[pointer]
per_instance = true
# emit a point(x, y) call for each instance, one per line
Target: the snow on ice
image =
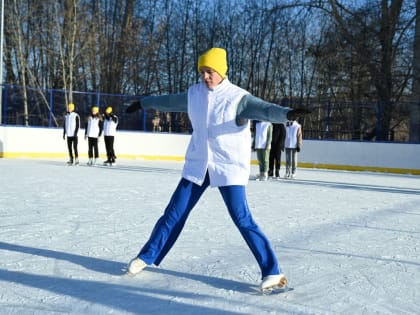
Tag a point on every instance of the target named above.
point(349, 243)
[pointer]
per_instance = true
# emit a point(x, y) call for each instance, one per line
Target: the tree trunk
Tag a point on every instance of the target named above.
point(415, 105)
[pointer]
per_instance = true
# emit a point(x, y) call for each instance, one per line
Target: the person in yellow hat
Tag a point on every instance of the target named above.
point(219, 156)
point(93, 131)
point(70, 129)
point(110, 129)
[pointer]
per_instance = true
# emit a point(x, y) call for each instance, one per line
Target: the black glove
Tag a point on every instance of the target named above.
point(298, 149)
point(295, 113)
point(135, 106)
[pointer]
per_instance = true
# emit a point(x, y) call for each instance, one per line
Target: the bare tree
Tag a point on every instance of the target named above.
point(358, 51)
point(17, 20)
point(378, 52)
point(67, 46)
point(415, 106)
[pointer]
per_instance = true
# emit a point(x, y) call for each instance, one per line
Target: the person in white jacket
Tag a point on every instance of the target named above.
point(110, 129)
point(218, 155)
point(93, 131)
point(70, 129)
point(262, 145)
point(292, 143)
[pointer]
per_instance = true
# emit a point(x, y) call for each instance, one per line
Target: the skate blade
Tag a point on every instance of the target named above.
point(128, 273)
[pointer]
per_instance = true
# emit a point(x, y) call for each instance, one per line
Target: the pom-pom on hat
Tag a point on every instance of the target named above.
point(108, 110)
point(70, 106)
point(214, 58)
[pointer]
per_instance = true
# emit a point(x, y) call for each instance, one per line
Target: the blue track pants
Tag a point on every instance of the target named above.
point(185, 197)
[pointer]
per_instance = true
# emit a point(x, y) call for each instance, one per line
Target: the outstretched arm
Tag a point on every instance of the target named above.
point(165, 103)
point(254, 108)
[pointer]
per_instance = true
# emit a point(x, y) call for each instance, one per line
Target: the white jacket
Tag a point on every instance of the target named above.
point(261, 134)
point(110, 126)
point(93, 127)
point(217, 144)
point(293, 135)
point(71, 124)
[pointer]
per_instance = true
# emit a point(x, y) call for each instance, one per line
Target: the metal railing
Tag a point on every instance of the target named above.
point(328, 120)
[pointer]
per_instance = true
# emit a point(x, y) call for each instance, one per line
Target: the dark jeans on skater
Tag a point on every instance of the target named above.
point(274, 161)
point(93, 147)
point(186, 195)
point(109, 147)
point(72, 146)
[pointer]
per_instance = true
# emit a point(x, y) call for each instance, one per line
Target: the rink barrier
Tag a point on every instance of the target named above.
point(48, 143)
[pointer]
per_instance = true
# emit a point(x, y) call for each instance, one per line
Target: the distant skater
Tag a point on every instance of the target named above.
point(277, 147)
point(110, 129)
point(93, 131)
point(293, 143)
point(70, 129)
point(262, 144)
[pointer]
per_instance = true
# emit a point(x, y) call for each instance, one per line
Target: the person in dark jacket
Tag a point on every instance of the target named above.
point(277, 146)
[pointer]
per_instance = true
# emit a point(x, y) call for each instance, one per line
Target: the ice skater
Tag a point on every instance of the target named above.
point(218, 155)
point(293, 143)
point(70, 129)
point(277, 146)
point(262, 145)
point(93, 130)
point(110, 129)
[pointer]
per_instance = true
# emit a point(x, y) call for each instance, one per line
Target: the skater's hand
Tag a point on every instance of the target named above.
point(135, 106)
point(298, 149)
point(294, 113)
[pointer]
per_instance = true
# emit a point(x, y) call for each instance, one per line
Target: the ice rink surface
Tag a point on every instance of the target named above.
point(349, 242)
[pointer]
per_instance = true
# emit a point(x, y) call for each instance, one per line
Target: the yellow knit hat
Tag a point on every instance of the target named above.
point(214, 58)
point(108, 110)
point(95, 109)
point(70, 106)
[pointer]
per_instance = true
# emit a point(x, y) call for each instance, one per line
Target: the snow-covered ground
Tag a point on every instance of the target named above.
point(348, 242)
